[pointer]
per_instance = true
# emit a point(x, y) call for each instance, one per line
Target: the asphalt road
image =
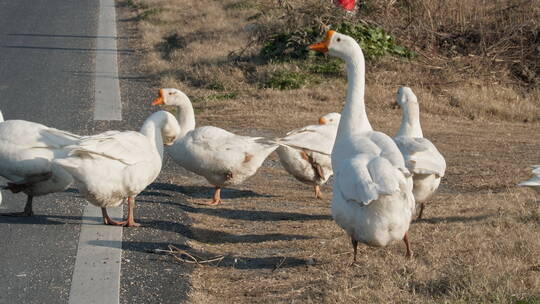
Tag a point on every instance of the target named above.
point(47, 53)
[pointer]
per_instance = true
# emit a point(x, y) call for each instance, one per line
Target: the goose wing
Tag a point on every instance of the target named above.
point(421, 156)
point(317, 138)
point(363, 180)
point(128, 147)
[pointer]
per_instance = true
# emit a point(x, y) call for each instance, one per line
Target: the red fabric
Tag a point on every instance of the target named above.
point(346, 4)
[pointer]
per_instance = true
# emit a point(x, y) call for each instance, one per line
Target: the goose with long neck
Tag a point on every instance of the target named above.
point(410, 120)
point(222, 157)
point(26, 153)
point(421, 156)
point(372, 199)
point(308, 160)
point(115, 166)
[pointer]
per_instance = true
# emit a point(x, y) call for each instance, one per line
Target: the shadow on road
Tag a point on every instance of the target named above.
point(41, 220)
point(205, 192)
point(254, 215)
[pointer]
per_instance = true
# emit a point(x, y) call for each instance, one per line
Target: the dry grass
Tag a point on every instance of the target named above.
point(480, 240)
point(191, 45)
point(478, 243)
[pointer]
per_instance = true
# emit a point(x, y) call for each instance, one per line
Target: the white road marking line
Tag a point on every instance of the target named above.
point(96, 276)
point(108, 105)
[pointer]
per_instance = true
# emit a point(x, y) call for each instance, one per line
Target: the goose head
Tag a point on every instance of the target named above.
point(166, 123)
point(330, 119)
point(337, 45)
point(170, 130)
point(170, 96)
point(405, 97)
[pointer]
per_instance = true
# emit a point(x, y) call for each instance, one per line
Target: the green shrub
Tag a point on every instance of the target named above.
point(287, 46)
point(330, 67)
point(375, 42)
point(288, 80)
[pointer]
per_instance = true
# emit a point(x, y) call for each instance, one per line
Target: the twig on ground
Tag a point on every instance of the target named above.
point(175, 251)
point(279, 264)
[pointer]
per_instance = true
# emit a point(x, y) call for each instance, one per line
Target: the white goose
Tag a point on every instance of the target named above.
point(222, 157)
point(26, 153)
point(373, 200)
point(114, 166)
point(533, 182)
point(421, 157)
point(303, 161)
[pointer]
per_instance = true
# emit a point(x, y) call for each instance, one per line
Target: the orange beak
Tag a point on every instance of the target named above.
point(322, 46)
point(323, 121)
point(159, 100)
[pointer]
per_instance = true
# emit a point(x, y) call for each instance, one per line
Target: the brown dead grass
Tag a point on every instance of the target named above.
point(480, 239)
point(200, 62)
point(478, 243)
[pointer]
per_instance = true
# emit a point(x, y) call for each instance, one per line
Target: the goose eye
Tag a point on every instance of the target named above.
point(338, 40)
point(170, 93)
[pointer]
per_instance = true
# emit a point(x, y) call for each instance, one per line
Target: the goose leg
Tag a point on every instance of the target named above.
point(421, 211)
point(27, 209)
point(217, 197)
point(109, 221)
point(318, 193)
point(409, 253)
point(355, 248)
point(131, 219)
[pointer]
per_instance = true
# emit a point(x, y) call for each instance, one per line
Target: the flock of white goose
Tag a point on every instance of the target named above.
point(377, 180)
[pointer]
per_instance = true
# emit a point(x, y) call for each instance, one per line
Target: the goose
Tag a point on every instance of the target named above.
point(223, 158)
point(372, 194)
point(26, 153)
point(115, 166)
point(533, 182)
point(421, 156)
point(302, 161)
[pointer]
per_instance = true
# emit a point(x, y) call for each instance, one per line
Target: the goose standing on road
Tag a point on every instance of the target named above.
point(222, 157)
point(372, 200)
point(308, 157)
point(533, 182)
point(114, 166)
point(421, 156)
point(26, 153)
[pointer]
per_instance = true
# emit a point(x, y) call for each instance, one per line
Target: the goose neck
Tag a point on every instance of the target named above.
point(354, 117)
point(186, 117)
point(410, 121)
point(152, 130)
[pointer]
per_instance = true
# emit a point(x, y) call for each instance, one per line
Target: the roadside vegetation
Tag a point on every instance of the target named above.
point(463, 58)
point(475, 68)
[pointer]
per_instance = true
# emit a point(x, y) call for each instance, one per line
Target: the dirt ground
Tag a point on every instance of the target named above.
point(479, 240)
